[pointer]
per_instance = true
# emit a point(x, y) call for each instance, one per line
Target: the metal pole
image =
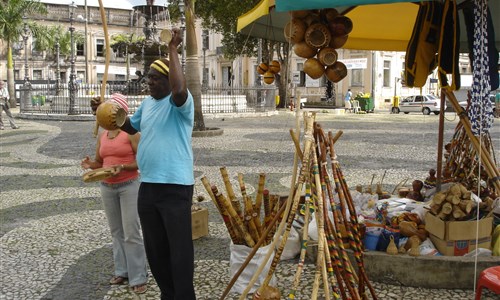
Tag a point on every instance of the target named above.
point(86, 45)
point(72, 84)
point(25, 38)
point(204, 36)
point(27, 84)
point(58, 67)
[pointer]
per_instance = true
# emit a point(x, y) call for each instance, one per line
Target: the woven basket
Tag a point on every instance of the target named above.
point(328, 14)
point(327, 56)
point(340, 26)
point(262, 68)
point(300, 14)
point(317, 35)
point(268, 77)
point(294, 30)
point(336, 72)
point(338, 41)
point(314, 68)
point(302, 49)
point(274, 67)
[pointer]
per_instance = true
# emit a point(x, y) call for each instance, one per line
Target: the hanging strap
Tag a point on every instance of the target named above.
point(449, 46)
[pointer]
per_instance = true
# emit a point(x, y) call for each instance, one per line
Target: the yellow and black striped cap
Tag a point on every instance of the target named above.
point(161, 65)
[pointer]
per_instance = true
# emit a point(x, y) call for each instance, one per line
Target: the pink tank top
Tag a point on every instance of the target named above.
point(117, 151)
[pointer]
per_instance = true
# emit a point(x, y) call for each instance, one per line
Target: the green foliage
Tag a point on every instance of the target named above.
point(11, 17)
point(46, 38)
point(221, 16)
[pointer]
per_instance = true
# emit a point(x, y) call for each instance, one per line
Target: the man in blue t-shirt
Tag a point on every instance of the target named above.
point(165, 158)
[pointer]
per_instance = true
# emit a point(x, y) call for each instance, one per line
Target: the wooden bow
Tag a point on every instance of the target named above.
point(107, 58)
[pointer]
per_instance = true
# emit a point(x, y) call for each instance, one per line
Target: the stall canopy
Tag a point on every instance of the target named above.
point(384, 25)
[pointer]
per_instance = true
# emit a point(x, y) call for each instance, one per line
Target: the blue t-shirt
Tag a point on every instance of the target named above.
point(164, 154)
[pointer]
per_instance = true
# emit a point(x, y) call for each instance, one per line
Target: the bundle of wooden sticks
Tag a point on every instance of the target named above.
point(242, 216)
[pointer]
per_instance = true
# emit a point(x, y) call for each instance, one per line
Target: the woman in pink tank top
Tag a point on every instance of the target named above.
point(117, 149)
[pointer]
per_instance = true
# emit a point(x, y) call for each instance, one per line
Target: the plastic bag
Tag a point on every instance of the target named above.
point(385, 238)
point(292, 246)
point(428, 248)
point(239, 254)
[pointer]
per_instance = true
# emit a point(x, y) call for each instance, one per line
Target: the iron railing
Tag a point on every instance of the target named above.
point(54, 99)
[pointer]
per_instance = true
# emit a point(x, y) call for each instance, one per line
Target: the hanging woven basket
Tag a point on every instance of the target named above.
point(302, 49)
point(268, 77)
point(314, 68)
point(327, 56)
point(340, 26)
point(294, 30)
point(317, 35)
point(274, 67)
point(336, 72)
point(262, 68)
point(338, 42)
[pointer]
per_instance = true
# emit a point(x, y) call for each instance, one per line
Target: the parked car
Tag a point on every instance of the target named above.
point(420, 103)
point(463, 104)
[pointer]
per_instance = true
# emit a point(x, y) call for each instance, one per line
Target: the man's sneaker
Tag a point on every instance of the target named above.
point(2, 128)
point(15, 127)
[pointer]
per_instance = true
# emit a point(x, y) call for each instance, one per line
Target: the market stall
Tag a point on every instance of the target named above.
point(448, 213)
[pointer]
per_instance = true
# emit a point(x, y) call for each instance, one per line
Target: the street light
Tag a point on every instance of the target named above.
point(204, 37)
point(72, 76)
point(58, 66)
point(27, 84)
point(183, 28)
point(25, 35)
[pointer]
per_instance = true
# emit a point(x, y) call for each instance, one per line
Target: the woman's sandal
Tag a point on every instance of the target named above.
point(117, 280)
point(140, 289)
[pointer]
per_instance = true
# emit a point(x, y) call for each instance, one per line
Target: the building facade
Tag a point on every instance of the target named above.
point(377, 73)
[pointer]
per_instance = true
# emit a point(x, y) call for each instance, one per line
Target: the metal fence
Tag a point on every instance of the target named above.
point(51, 98)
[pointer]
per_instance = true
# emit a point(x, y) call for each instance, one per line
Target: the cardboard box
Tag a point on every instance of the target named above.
point(199, 223)
point(456, 238)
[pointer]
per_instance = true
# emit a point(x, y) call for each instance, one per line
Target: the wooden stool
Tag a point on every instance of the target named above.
point(490, 279)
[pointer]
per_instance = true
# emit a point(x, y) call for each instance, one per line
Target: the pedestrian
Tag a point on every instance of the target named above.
point(347, 100)
point(4, 102)
point(165, 158)
point(117, 149)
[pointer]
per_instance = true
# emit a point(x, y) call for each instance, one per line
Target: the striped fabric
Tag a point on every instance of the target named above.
point(161, 65)
point(121, 100)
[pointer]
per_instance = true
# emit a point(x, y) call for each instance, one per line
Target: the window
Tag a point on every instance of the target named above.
point(387, 73)
point(357, 77)
point(80, 76)
point(99, 77)
point(419, 99)
point(80, 49)
point(37, 75)
point(120, 77)
point(16, 74)
point(100, 47)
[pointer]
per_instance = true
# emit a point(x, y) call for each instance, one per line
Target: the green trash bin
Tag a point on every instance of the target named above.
point(366, 103)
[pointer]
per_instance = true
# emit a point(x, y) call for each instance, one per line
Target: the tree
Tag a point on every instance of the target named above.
point(122, 44)
point(221, 16)
point(11, 26)
point(46, 38)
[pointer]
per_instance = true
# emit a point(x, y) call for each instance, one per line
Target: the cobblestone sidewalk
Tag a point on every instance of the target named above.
point(54, 239)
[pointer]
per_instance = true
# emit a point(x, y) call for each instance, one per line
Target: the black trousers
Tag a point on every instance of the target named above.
point(165, 214)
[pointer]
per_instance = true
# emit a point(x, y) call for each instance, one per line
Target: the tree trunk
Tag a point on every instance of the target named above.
point(192, 65)
point(10, 77)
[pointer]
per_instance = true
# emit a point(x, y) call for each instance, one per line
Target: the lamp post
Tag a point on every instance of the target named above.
point(27, 84)
point(183, 29)
point(58, 67)
point(204, 37)
point(72, 76)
